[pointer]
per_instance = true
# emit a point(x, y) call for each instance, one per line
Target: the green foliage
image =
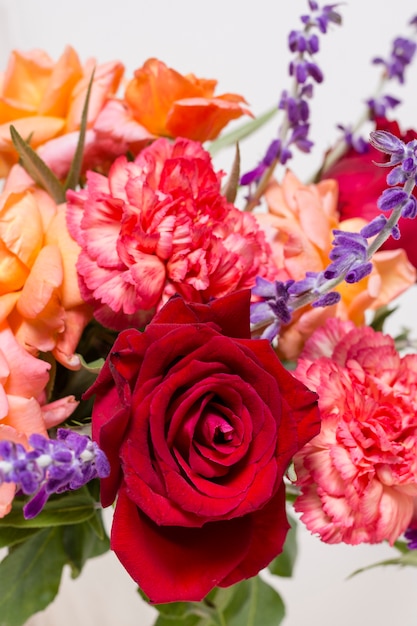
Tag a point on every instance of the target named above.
point(230, 189)
point(67, 532)
point(283, 565)
point(30, 575)
point(72, 507)
point(406, 558)
point(81, 542)
point(249, 603)
point(235, 136)
point(94, 367)
point(77, 161)
point(380, 316)
point(37, 168)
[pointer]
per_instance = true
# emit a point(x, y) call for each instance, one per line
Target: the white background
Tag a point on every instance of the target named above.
point(242, 43)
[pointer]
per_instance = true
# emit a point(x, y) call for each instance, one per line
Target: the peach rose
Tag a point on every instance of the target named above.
point(39, 294)
point(169, 104)
point(44, 99)
point(23, 410)
point(298, 227)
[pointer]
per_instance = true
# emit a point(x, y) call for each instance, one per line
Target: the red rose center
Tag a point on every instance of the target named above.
point(216, 429)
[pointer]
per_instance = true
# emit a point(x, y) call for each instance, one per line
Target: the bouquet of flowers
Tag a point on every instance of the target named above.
point(203, 350)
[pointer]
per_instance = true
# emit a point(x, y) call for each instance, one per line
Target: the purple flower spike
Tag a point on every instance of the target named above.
point(304, 44)
point(52, 466)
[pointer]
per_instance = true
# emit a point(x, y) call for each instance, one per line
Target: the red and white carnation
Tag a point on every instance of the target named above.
point(358, 477)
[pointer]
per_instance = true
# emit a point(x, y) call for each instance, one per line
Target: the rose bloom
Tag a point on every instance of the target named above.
point(157, 226)
point(44, 99)
point(39, 294)
point(170, 104)
point(358, 477)
point(298, 227)
point(23, 410)
point(361, 182)
point(199, 423)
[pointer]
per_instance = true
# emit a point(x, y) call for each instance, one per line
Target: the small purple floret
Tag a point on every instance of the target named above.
point(273, 309)
point(411, 537)
point(402, 54)
point(391, 198)
point(380, 105)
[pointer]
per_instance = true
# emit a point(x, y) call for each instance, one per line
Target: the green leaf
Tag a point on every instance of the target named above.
point(380, 315)
point(249, 603)
point(230, 189)
point(408, 558)
point(11, 536)
point(37, 168)
point(30, 576)
point(235, 136)
point(185, 614)
point(94, 367)
point(77, 161)
point(254, 603)
point(283, 565)
point(82, 543)
point(70, 508)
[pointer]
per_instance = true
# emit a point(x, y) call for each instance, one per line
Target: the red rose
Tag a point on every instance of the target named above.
point(361, 182)
point(199, 423)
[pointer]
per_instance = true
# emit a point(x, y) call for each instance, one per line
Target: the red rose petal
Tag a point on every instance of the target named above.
point(173, 563)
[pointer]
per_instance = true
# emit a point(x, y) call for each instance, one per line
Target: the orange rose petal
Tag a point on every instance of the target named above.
point(56, 412)
point(66, 342)
point(45, 277)
point(7, 304)
point(58, 236)
point(201, 119)
point(36, 129)
point(25, 415)
point(21, 228)
point(7, 491)
point(27, 77)
point(66, 72)
point(107, 78)
point(152, 91)
point(396, 272)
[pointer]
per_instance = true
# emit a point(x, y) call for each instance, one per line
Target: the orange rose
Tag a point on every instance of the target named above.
point(43, 99)
point(298, 227)
point(39, 295)
point(169, 104)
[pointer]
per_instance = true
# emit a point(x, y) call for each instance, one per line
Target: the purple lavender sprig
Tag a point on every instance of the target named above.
point(305, 72)
point(352, 253)
point(394, 66)
point(51, 466)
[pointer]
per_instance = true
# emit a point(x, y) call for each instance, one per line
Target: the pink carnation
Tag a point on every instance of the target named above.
point(358, 477)
point(157, 226)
